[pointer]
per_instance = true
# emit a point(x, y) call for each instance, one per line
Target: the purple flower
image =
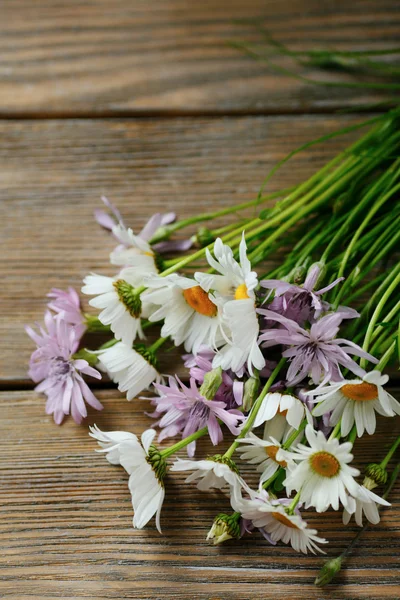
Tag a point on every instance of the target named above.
point(60, 375)
point(300, 303)
point(68, 308)
point(230, 391)
point(153, 224)
point(315, 352)
point(184, 410)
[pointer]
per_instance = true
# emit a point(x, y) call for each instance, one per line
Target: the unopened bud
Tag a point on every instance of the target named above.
point(330, 569)
point(375, 475)
point(204, 237)
point(299, 274)
point(316, 272)
point(250, 393)
point(211, 383)
point(225, 527)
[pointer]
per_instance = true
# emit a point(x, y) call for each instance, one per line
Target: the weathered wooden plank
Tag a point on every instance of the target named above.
point(54, 172)
point(172, 56)
point(65, 524)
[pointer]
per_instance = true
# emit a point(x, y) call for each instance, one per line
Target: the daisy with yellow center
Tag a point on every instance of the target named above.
point(189, 313)
point(133, 252)
point(276, 523)
point(262, 453)
point(122, 308)
point(233, 289)
point(356, 401)
point(282, 413)
point(322, 473)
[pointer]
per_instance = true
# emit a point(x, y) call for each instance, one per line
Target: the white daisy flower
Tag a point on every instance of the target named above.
point(276, 524)
point(262, 453)
point(287, 405)
point(132, 369)
point(190, 316)
point(356, 401)
point(134, 252)
point(121, 306)
point(210, 474)
point(323, 475)
point(233, 289)
point(145, 466)
point(367, 504)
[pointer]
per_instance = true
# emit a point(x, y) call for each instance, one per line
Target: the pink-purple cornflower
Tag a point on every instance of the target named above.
point(302, 303)
point(67, 305)
point(60, 375)
point(182, 409)
point(316, 352)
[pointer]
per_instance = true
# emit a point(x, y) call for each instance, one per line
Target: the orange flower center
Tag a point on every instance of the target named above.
point(284, 520)
point(271, 452)
point(198, 299)
point(241, 292)
point(324, 464)
point(360, 392)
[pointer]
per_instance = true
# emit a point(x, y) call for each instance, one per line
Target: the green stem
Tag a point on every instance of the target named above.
point(94, 325)
point(386, 357)
point(256, 407)
point(384, 463)
point(309, 80)
point(183, 443)
point(374, 318)
point(294, 503)
point(357, 234)
point(271, 480)
point(336, 431)
point(157, 344)
point(225, 211)
point(294, 435)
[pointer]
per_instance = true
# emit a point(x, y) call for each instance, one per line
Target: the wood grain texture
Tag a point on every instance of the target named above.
point(54, 172)
point(66, 524)
point(101, 57)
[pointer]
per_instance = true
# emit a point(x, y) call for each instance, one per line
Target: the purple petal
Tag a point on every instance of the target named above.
point(104, 219)
point(173, 246)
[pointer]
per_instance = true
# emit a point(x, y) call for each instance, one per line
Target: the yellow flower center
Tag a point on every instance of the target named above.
point(271, 452)
point(149, 254)
point(325, 464)
point(241, 292)
point(360, 392)
point(284, 520)
point(198, 299)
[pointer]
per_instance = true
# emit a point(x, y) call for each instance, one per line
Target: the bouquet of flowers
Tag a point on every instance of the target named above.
point(287, 361)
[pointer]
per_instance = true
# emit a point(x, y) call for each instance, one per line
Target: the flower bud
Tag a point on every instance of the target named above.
point(375, 475)
point(299, 274)
point(225, 527)
point(317, 272)
point(250, 393)
point(330, 569)
point(211, 383)
point(204, 237)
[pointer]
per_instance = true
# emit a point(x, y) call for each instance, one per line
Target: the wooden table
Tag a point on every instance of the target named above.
point(145, 102)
